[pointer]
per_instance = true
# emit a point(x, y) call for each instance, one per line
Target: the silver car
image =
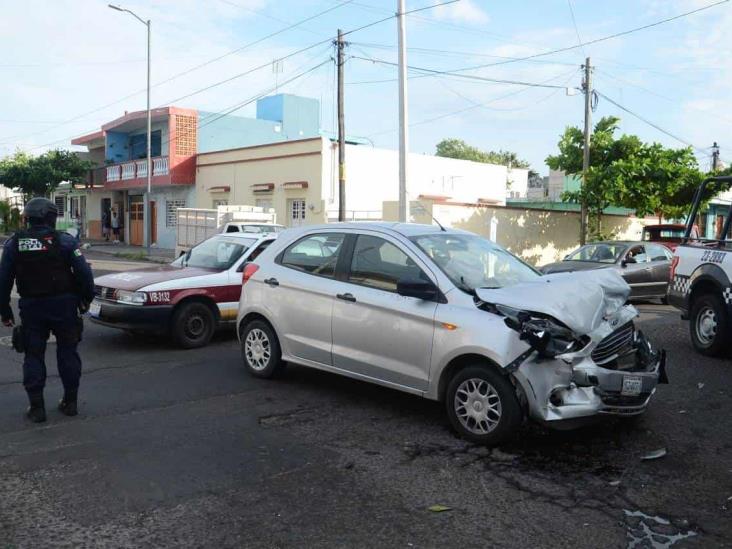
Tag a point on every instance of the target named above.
point(449, 316)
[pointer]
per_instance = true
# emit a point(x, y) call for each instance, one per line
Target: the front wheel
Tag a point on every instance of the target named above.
point(482, 405)
point(260, 349)
point(193, 325)
point(708, 324)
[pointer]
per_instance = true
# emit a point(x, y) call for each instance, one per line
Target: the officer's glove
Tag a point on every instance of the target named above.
point(84, 307)
point(8, 321)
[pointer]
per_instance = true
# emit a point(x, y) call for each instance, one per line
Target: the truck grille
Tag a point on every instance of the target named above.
point(104, 293)
point(614, 344)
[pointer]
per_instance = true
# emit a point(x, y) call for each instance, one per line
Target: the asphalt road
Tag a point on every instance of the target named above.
point(183, 448)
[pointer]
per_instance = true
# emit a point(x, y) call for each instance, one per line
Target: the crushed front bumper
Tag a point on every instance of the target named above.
point(562, 389)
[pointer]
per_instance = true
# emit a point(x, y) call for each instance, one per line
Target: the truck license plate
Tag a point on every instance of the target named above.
point(95, 308)
point(632, 385)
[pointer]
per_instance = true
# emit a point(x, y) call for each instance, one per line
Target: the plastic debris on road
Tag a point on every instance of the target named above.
point(655, 454)
point(439, 508)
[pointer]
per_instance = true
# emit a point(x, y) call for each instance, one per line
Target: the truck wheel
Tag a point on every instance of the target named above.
point(482, 405)
point(709, 324)
point(193, 325)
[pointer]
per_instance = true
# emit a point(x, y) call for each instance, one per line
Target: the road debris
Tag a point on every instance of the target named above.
point(439, 508)
point(655, 454)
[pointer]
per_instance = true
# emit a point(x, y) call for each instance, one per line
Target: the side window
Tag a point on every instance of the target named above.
point(232, 229)
point(658, 253)
point(255, 254)
point(638, 253)
point(315, 254)
point(380, 264)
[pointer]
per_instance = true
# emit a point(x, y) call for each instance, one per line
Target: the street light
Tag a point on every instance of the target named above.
point(146, 204)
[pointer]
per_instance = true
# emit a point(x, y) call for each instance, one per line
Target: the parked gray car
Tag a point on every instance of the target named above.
point(645, 266)
point(449, 316)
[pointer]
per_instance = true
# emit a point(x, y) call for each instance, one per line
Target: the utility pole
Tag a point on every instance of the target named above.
point(341, 133)
point(715, 156)
point(587, 87)
point(403, 119)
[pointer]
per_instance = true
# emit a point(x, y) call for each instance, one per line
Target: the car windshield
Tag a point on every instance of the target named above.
point(472, 262)
point(217, 253)
point(599, 253)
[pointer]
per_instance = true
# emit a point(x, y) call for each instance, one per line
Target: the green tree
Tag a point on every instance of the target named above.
point(626, 172)
point(40, 175)
point(457, 148)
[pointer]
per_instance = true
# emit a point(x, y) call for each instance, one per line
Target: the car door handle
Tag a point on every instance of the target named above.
point(346, 297)
point(272, 282)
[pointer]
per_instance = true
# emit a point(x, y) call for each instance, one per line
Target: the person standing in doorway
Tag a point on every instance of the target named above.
point(115, 226)
point(105, 225)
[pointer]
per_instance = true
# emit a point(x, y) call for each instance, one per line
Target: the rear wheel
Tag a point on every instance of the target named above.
point(193, 325)
point(260, 349)
point(482, 405)
point(708, 324)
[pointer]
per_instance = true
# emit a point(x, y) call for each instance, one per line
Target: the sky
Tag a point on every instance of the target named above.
point(68, 66)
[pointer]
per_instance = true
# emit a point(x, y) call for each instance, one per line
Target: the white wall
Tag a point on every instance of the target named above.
point(372, 177)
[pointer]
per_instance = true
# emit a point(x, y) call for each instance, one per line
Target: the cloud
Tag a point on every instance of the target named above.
point(465, 11)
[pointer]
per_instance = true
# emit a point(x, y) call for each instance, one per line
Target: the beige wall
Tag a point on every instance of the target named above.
point(537, 236)
point(278, 163)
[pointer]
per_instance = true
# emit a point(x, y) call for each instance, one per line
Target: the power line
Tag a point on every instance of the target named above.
point(576, 28)
point(187, 71)
point(435, 72)
point(247, 72)
point(652, 124)
point(475, 105)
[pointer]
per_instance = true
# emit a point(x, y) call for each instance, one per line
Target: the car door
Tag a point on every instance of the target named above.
point(636, 270)
point(378, 333)
point(660, 262)
point(299, 293)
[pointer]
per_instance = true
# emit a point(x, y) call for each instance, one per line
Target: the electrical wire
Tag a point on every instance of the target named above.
point(435, 72)
point(576, 28)
point(196, 92)
point(473, 106)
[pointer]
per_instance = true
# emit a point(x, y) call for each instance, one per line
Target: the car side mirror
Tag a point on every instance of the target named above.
point(420, 289)
point(627, 260)
point(240, 268)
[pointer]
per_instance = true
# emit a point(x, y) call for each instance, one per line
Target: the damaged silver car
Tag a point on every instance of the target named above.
point(449, 316)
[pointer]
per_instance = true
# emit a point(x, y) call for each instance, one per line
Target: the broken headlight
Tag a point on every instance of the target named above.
point(543, 334)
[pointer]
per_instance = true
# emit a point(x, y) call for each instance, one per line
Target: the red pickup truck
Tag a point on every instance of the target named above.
point(668, 234)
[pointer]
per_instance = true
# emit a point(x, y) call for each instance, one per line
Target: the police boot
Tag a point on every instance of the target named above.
point(37, 410)
point(67, 406)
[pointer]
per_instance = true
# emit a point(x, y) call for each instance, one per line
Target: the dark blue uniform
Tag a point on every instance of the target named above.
point(54, 281)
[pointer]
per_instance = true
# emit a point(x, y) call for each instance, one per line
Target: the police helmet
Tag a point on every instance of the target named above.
point(40, 209)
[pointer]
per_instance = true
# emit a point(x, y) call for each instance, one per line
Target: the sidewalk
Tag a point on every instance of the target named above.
point(138, 253)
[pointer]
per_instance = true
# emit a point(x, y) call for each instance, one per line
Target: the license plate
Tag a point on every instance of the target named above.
point(94, 309)
point(632, 385)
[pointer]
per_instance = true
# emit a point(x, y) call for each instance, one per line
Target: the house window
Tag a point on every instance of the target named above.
point(138, 145)
point(265, 203)
point(61, 205)
point(171, 211)
point(222, 202)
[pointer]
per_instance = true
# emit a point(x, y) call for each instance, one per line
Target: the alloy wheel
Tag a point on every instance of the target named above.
point(477, 406)
point(257, 349)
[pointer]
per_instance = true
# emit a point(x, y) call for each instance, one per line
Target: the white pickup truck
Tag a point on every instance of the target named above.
point(701, 282)
point(197, 224)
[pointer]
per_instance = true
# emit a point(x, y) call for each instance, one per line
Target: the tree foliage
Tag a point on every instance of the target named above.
point(457, 148)
point(40, 175)
point(647, 178)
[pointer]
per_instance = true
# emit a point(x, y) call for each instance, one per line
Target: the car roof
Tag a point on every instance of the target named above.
point(404, 229)
point(247, 236)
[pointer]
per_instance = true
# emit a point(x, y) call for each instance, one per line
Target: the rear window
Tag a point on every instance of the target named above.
point(217, 253)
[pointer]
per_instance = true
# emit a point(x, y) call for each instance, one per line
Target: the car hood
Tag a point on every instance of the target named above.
point(580, 300)
point(134, 280)
point(569, 266)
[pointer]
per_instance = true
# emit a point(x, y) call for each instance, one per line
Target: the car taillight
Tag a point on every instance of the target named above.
point(249, 270)
point(674, 264)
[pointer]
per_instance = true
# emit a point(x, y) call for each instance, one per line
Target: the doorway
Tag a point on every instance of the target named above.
point(137, 223)
point(296, 212)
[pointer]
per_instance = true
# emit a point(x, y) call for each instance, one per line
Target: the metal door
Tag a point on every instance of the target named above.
point(637, 271)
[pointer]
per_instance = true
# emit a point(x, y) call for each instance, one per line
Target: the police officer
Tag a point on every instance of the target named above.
point(55, 283)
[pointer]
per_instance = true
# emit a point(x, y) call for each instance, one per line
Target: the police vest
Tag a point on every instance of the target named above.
point(41, 270)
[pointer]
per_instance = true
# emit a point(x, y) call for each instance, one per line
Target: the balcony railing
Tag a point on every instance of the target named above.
point(137, 169)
